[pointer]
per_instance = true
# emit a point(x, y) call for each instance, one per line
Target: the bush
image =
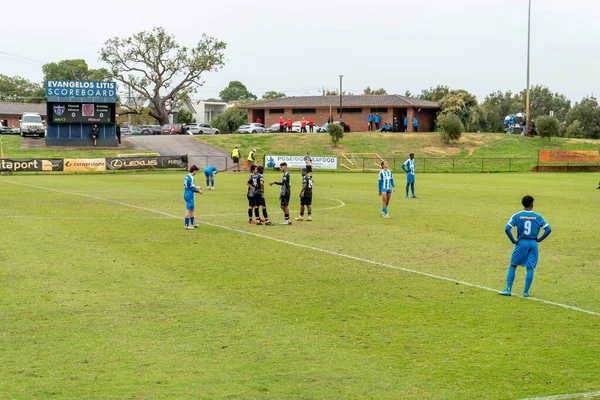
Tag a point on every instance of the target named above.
point(336, 132)
point(547, 126)
point(575, 130)
point(450, 127)
point(240, 117)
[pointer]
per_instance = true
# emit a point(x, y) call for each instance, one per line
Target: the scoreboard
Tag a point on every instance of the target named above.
point(81, 113)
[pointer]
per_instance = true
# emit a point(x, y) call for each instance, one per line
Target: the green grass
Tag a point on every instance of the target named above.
point(12, 149)
point(399, 144)
point(100, 300)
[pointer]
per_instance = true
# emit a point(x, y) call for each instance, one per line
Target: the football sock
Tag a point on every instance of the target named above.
point(212, 183)
point(287, 216)
point(192, 220)
point(265, 213)
point(256, 213)
point(407, 185)
point(187, 222)
point(250, 213)
point(385, 210)
point(412, 188)
point(207, 182)
point(529, 278)
point(510, 277)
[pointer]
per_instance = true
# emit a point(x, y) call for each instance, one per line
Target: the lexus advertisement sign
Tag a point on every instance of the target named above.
point(131, 163)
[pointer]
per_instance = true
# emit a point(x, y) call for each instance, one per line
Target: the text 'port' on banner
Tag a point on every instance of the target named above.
point(299, 162)
point(31, 164)
point(568, 156)
point(85, 164)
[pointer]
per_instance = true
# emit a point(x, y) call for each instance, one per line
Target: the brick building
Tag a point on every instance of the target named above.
point(355, 110)
point(11, 113)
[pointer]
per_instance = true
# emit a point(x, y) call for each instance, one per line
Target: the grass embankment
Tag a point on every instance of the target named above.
point(399, 144)
point(12, 148)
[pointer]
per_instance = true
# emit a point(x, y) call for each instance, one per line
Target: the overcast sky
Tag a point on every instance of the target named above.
point(298, 47)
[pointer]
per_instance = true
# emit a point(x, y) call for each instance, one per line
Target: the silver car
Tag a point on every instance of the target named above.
point(252, 128)
point(202, 129)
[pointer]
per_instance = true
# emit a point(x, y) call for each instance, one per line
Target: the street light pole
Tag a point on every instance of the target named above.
point(527, 116)
point(341, 76)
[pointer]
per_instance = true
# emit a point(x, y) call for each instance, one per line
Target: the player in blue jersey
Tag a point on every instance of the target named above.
point(386, 186)
point(209, 175)
point(528, 226)
point(409, 168)
point(188, 195)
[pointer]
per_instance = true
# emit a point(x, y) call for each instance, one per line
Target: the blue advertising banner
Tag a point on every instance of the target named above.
point(106, 90)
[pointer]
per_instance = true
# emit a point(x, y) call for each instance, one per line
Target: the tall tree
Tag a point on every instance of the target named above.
point(236, 90)
point(17, 89)
point(586, 113)
point(273, 95)
point(543, 100)
point(465, 106)
point(498, 105)
point(369, 91)
point(74, 70)
point(434, 93)
point(159, 69)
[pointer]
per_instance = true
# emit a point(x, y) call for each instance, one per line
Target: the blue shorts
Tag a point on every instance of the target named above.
point(525, 254)
point(410, 178)
point(209, 175)
point(386, 191)
point(189, 202)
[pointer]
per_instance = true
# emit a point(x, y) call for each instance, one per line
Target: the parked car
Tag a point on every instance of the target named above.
point(151, 130)
point(31, 124)
point(274, 128)
point(131, 130)
point(252, 128)
point(324, 127)
point(171, 129)
point(9, 131)
point(202, 129)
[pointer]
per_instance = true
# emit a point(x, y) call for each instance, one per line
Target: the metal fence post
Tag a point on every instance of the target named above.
point(510, 165)
point(453, 165)
point(482, 165)
point(424, 165)
point(363, 160)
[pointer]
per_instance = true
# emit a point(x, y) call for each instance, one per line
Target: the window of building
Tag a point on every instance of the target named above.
point(350, 110)
point(379, 110)
point(304, 110)
point(276, 110)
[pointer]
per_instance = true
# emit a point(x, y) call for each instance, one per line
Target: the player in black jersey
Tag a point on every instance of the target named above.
point(306, 195)
point(259, 198)
point(252, 184)
point(284, 195)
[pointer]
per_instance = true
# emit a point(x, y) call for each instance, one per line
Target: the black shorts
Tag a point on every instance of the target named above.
point(235, 160)
point(285, 200)
point(251, 201)
point(260, 202)
point(306, 201)
point(309, 168)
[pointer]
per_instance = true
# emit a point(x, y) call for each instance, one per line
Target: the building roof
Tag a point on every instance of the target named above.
point(348, 101)
point(17, 109)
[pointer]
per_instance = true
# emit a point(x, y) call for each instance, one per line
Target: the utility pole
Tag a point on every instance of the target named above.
point(527, 116)
point(341, 76)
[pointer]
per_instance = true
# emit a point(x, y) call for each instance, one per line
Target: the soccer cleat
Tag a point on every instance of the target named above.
point(387, 216)
point(268, 223)
point(414, 197)
point(309, 219)
point(300, 219)
point(383, 214)
point(505, 292)
point(407, 196)
point(525, 294)
point(287, 222)
point(252, 221)
point(196, 226)
point(189, 228)
point(258, 222)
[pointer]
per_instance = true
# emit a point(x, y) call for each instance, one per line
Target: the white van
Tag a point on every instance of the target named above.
point(32, 125)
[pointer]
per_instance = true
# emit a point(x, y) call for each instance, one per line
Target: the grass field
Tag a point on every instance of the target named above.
point(104, 295)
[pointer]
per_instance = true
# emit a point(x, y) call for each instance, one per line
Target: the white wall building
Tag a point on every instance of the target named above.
point(205, 111)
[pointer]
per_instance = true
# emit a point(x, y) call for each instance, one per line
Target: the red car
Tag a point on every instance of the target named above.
point(171, 129)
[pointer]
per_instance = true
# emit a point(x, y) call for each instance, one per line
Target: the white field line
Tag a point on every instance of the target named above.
point(342, 204)
point(333, 253)
point(567, 396)
point(76, 218)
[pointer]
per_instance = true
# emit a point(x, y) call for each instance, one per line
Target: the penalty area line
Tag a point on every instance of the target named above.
point(308, 247)
point(566, 396)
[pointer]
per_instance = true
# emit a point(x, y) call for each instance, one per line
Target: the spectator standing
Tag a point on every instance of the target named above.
point(311, 124)
point(377, 120)
point(118, 132)
point(303, 125)
point(281, 125)
point(252, 157)
point(183, 129)
point(396, 127)
point(415, 125)
point(258, 120)
point(230, 125)
point(235, 156)
point(370, 121)
point(290, 124)
point(405, 124)
point(95, 134)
